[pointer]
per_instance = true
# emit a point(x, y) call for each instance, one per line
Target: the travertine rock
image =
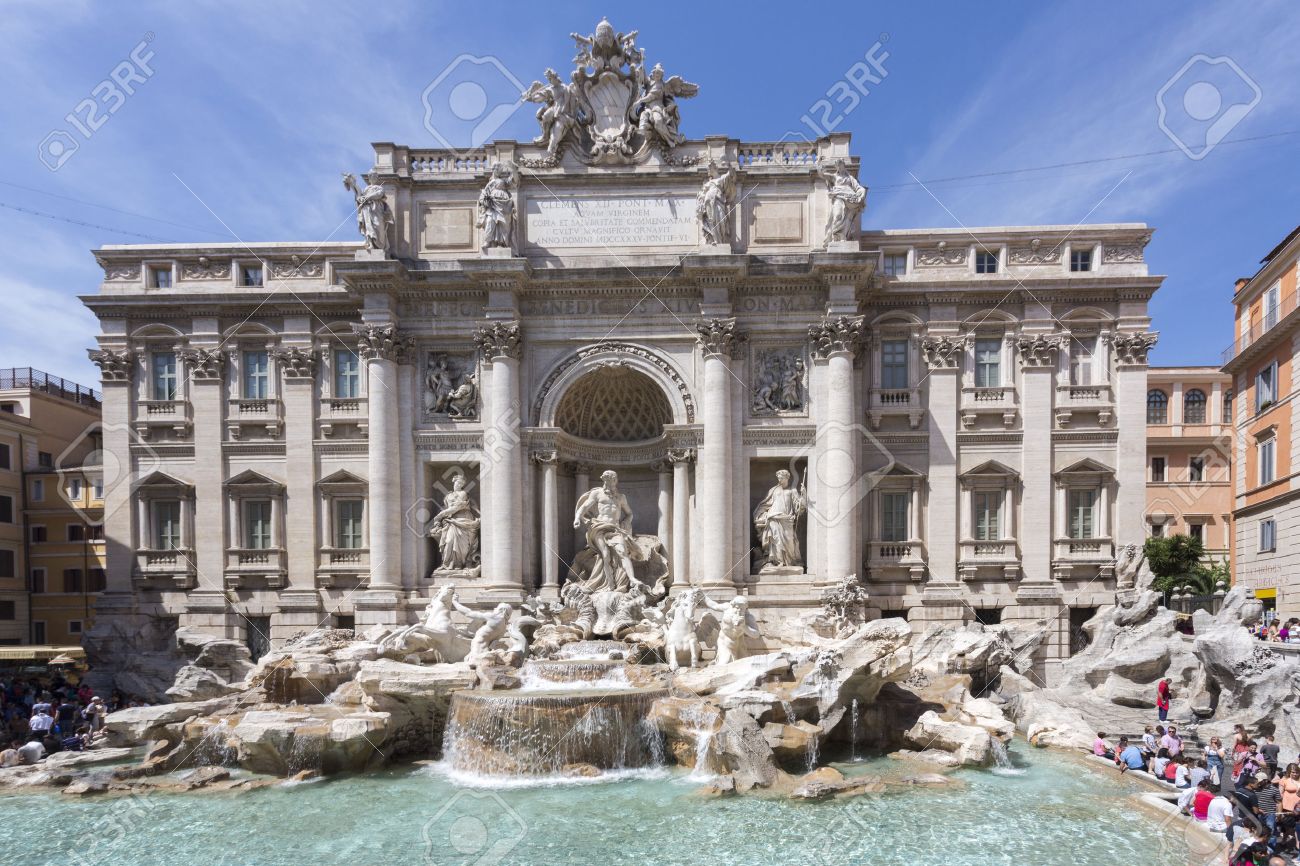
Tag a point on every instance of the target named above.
point(971, 744)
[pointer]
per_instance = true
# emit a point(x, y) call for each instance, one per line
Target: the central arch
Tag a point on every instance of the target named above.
point(662, 374)
point(614, 404)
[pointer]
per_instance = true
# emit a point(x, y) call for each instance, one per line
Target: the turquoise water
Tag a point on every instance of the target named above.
point(1056, 811)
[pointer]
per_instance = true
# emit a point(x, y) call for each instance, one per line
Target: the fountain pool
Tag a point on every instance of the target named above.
point(1057, 812)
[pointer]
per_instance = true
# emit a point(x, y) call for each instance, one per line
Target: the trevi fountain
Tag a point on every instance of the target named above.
point(505, 691)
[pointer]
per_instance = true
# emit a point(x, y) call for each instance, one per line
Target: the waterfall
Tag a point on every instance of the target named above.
point(811, 756)
point(853, 730)
point(788, 708)
point(1002, 760)
point(214, 749)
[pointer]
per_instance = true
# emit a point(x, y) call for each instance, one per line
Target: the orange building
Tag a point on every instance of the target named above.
point(1189, 456)
point(1261, 361)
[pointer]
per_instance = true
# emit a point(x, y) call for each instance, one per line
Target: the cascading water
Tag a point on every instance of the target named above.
point(1002, 760)
point(595, 674)
point(214, 749)
point(853, 730)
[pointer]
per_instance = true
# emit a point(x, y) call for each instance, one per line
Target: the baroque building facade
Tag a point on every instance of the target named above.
point(329, 432)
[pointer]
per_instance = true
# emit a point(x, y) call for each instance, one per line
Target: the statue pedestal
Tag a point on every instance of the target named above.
point(451, 575)
point(714, 250)
point(365, 255)
point(498, 253)
point(843, 247)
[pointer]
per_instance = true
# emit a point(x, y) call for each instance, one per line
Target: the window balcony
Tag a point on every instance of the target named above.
point(1088, 399)
point(1093, 555)
point(343, 566)
point(895, 401)
point(162, 414)
point(989, 557)
point(244, 413)
point(999, 400)
point(336, 412)
point(886, 557)
point(175, 565)
point(265, 564)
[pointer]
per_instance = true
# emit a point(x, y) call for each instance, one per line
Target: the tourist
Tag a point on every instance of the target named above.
point(1289, 788)
point(1172, 742)
point(1171, 769)
point(1268, 798)
point(1101, 748)
point(1270, 750)
point(1182, 773)
point(1250, 849)
point(1131, 758)
point(1158, 764)
point(1163, 694)
point(1218, 815)
point(65, 718)
point(40, 723)
point(1284, 633)
point(95, 712)
point(30, 753)
point(1202, 799)
point(1149, 741)
point(1215, 760)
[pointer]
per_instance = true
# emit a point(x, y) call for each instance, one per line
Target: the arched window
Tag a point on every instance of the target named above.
point(1227, 407)
point(1193, 407)
point(1157, 407)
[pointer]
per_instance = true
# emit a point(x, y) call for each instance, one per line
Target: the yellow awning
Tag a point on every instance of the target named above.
point(39, 653)
point(1266, 593)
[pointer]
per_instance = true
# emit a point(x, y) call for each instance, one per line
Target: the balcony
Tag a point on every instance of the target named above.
point(175, 565)
point(1256, 333)
point(884, 557)
point(985, 557)
point(151, 415)
point(243, 413)
point(1088, 399)
point(1095, 555)
point(340, 412)
point(1000, 400)
point(265, 564)
point(895, 401)
point(343, 566)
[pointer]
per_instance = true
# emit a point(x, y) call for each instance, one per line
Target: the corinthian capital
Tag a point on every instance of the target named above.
point(114, 366)
point(1131, 349)
point(720, 337)
point(841, 334)
point(943, 353)
point(204, 364)
point(500, 340)
point(297, 363)
point(375, 342)
point(1038, 350)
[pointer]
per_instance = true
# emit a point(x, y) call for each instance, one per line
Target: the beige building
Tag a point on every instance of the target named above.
point(52, 558)
point(1189, 456)
point(961, 410)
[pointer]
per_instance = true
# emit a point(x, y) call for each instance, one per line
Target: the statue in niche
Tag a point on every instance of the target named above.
point(847, 201)
point(450, 387)
point(496, 208)
point(607, 517)
point(776, 518)
point(779, 386)
point(563, 109)
point(713, 205)
point(374, 216)
point(455, 528)
point(658, 104)
point(735, 624)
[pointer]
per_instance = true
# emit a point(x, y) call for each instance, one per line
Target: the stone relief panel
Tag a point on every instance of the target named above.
point(1037, 253)
point(450, 385)
point(780, 382)
point(944, 255)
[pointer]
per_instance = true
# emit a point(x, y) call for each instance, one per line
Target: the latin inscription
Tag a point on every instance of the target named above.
point(611, 221)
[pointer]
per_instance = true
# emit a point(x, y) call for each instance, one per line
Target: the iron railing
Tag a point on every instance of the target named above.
point(38, 380)
point(1272, 316)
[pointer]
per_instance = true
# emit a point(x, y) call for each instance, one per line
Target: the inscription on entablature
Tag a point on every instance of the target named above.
point(647, 306)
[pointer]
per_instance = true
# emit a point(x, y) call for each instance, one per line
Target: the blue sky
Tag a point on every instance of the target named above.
point(253, 109)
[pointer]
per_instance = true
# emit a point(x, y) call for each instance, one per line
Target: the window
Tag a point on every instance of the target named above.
point(348, 526)
point(1157, 469)
point(1157, 529)
point(97, 488)
point(986, 262)
point(74, 489)
point(1267, 535)
point(257, 524)
point(95, 580)
point(1196, 469)
point(74, 626)
point(1157, 407)
point(1267, 460)
point(347, 374)
point(38, 632)
point(6, 509)
point(95, 532)
point(988, 363)
point(1265, 388)
point(250, 275)
point(1082, 513)
point(1082, 350)
point(164, 375)
point(38, 490)
point(6, 456)
point(987, 509)
point(1197, 531)
point(893, 364)
point(893, 515)
point(8, 610)
point(1272, 304)
point(988, 615)
point(1227, 407)
point(1080, 260)
point(894, 264)
point(76, 532)
point(160, 277)
point(72, 581)
point(1194, 407)
point(45, 459)
point(38, 580)
point(39, 534)
point(257, 375)
point(6, 563)
point(166, 524)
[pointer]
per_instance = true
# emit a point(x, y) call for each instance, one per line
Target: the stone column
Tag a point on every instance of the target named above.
point(377, 346)
point(502, 467)
point(299, 603)
point(1038, 363)
point(681, 521)
point(719, 341)
point(835, 343)
point(1130, 413)
point(581, 484)
point(665, 502)
point(549, 461)
point(943, 354)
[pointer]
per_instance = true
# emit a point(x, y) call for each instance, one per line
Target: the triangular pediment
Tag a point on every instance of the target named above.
point(340, 480)
point(1086, 465)
point(990, 469)
point(158, 478)
point(250, 478)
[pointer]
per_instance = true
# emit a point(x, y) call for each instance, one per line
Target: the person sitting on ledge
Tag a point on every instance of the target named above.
point(1202, 799)
point(1218, 814)
point(1199, 773)
point(1158, 764)
point(1182, 772)
point(1172, 742)
point(1171, 770)
point(1130, 757)
point(1101, 748)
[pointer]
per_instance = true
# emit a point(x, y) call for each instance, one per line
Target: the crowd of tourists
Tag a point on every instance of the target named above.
point(1241, 792)
point(1279, 631)
point(41, 716)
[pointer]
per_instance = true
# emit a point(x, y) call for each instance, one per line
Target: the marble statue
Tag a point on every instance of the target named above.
point(734, 625)
point(657, 105)
point(847, 201)
point(455, 528)
point(496, 208)
point(436, 634)
point(462, 402)
point(374, 216)
point(489, 628)
point(776, 519)
point(605, 49)
point(607, 518)
point(563, 110)
point(779, 384)
point(713, 205)
point(681, 632)
point(1131, 569)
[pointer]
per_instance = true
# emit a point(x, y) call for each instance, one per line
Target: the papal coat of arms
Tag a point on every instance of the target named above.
point(611, 110)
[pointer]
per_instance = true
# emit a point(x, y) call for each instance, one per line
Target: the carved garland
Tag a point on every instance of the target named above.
point(616, 349)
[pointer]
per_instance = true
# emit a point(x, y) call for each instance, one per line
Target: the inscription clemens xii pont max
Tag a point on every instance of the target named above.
point(611, 221)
